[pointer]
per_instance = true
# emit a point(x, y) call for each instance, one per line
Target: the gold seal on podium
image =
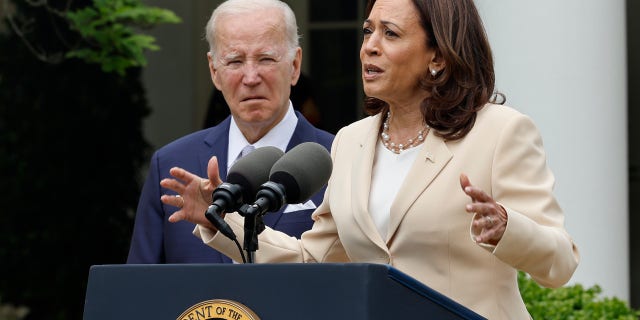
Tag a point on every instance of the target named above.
point(218, 309)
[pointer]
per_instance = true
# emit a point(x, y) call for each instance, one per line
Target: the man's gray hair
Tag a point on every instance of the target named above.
point(239, 7)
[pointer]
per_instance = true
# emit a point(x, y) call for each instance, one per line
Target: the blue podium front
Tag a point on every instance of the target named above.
point(263, 291)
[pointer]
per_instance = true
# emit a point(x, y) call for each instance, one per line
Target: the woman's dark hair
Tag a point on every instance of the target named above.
point(466, 83)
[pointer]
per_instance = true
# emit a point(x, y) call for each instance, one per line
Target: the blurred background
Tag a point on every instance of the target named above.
point(80, 116)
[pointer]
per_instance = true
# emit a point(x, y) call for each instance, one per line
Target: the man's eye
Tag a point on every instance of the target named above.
point(234, 64)
point(267, 60)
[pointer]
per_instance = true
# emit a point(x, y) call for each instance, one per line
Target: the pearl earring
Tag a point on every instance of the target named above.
point(433, 72)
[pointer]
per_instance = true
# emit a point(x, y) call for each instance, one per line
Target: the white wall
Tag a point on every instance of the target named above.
point(564, 64)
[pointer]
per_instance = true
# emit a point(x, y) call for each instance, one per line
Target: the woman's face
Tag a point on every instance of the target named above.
point(394, 53)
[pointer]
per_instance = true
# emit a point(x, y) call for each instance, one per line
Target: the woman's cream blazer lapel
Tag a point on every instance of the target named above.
point(361, 169)
point(431, 159)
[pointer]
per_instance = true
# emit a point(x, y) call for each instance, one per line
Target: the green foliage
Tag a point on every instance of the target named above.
point(109, 36)
point(571, 302)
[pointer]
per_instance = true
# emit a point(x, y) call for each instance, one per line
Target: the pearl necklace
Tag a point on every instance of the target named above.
point(386, 139)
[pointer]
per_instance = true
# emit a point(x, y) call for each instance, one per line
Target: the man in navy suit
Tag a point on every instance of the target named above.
point(254, 59)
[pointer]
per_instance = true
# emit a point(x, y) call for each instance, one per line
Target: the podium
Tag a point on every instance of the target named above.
point(269, 291)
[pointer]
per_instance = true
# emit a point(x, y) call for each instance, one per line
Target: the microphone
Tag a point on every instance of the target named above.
point(243, 181)
point(294, 178)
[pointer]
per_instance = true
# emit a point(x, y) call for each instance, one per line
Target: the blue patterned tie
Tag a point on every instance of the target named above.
point(245, 151)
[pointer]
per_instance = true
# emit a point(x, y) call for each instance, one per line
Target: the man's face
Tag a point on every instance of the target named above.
point(253, 68)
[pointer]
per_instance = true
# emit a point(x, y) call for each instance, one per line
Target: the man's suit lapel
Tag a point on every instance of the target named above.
point(431, 159)
point(302, 133)
point(217, 142)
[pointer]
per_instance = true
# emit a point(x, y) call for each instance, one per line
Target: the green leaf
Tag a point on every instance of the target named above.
point(109, 33)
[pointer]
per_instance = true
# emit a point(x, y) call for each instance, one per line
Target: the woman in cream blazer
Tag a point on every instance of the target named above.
point(429, 235)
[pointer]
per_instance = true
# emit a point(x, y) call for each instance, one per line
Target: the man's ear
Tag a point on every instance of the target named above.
point(296, 65)
point(212, 70)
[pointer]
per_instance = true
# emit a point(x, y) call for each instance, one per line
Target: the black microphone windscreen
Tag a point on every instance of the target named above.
point(303, 171)
point(252, 170)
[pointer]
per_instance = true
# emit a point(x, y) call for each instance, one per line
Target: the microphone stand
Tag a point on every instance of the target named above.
point(270, 197)
point(253, 225)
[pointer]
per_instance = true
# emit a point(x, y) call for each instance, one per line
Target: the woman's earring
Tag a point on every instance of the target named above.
point(433, 72)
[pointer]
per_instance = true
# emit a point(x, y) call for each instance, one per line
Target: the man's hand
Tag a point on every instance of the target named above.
point(194, 193)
